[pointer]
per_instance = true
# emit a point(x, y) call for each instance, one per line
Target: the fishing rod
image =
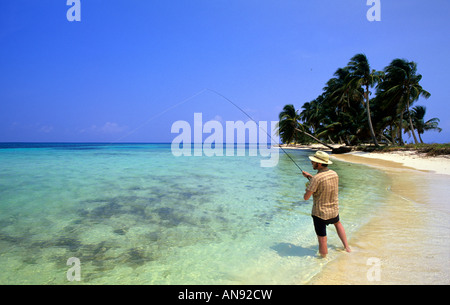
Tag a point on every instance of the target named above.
point(192, 97)
point(232, 103)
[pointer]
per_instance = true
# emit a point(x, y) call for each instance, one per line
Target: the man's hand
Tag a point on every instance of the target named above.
point(307, 175)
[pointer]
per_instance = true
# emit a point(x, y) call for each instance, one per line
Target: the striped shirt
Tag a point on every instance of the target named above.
point(324, 187)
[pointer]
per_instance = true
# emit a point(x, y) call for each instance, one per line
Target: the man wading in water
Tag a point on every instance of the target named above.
point(324, 189)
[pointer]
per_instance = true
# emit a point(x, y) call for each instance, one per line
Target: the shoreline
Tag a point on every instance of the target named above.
point(406, 159)
point(408, 235)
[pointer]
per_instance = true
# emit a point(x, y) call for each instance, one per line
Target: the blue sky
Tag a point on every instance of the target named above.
point(129, 69)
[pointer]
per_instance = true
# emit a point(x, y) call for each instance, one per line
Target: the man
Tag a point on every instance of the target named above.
point(324, 189)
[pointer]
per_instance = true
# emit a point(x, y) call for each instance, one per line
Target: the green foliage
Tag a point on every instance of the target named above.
point(347, 112)
point(428, 149)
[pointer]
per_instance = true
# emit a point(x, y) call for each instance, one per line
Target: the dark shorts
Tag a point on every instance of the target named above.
point(320, 225)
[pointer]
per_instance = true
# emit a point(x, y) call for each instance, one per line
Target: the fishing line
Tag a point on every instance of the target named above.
point(231, 102)
point(190, 98)
point(160, 114)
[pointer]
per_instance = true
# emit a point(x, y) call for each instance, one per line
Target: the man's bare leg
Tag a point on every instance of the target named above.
point(323, 249)
point(341, 233)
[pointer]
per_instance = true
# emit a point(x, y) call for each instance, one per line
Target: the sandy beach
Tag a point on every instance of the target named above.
point(406, 241)
point(410, 159)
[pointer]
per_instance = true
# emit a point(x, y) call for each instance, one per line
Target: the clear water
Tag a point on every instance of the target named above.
point(136, 214)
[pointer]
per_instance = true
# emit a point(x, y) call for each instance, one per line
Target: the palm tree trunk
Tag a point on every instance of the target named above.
point(313, 137)
point(392, 134)
point(400, 130)
point(369, 119)
point(412, 129)
point(421, 141)
point(411, 126)
point(347, 141)
point(386, 138)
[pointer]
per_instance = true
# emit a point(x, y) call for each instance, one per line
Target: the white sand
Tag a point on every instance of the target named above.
point(411, 159)
point(408, 235)
point(439, 164)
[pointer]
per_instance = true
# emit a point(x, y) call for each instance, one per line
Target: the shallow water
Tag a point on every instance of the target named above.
point(136, 214)
point(408, 237)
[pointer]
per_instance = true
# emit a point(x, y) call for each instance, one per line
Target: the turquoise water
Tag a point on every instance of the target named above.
point(136, 214)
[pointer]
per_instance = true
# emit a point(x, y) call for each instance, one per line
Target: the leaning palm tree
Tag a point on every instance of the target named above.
point(418, 118)
point(362, 76)
point(414, 91)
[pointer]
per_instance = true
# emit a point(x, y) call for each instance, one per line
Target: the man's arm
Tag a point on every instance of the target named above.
point(307, 195)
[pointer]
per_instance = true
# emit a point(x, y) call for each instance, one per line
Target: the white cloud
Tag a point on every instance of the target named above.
point(107, 128)
point(112, 128)
point(46, 129)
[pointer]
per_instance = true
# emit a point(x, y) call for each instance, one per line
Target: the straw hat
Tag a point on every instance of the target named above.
point(320, 157)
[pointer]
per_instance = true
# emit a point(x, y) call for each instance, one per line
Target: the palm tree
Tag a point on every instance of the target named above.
point(418, 116)
point(310, 113)
point(288, 122)
point(385, 106)
point(363, 77)
point(343, 106)
point(414, 91)
point(337, 91)
point(289, 126)
point(401, 89)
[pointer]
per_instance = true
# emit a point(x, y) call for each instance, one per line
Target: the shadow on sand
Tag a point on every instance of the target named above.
point(287, 249)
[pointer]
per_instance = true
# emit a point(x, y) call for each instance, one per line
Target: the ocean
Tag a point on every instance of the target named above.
point(138, 214)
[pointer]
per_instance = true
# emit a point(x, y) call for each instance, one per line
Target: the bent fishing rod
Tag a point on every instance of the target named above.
point(235, 105)
point(195, 95)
